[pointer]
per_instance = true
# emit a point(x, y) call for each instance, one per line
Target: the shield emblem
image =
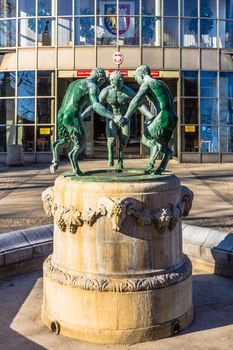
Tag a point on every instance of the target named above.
point(124, 19)
point(110, 22)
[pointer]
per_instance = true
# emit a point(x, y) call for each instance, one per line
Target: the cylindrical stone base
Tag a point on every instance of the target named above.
point(117, 273)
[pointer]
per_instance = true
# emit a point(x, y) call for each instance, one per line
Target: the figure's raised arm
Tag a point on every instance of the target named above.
point(136, 101)
point(87, 112)
point(97, 106)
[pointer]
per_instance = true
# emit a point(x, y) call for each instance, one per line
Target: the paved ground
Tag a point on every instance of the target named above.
point(21, 327)
point(21, 187)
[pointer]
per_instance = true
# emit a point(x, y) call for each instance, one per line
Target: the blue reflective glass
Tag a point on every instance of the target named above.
point(226, 112)
point(7, 8)
point(189, 28)
point(151, 31)
point(208, 8)
point(64, 31)
point(170, 32)
point(226, 85)
point(26, 83)
point(64, 7)
point(45, 33)
point(105, 8)
point(208, 84)
point(128, 31)
point(208, 33)
point(226, 9)
point(209, 139)
point(7, 84)
point(27, 32)
point(44, 8)
point(109, 36)
point(226, 139)
point(26, 110)
point(85, 31)
point(151, 7)
point(8, 33)
point(170, 8)
point(45, 83)
point(189, 83)
point(209, 111)
point(226, 34)
point(189, 8)
point(26, 8)
point(84, 7)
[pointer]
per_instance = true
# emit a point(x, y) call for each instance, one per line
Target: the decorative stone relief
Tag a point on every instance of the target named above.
point(165, 219)
point(118, 285)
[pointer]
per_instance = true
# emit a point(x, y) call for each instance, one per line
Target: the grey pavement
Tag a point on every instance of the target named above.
point(21, 326)
point(21, 187)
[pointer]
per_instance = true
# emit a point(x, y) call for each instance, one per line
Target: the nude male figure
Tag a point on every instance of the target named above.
point(159, 131)
point(70, 123)
point(118, 96)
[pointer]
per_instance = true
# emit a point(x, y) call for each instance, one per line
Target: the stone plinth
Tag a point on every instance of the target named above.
point(117, 273)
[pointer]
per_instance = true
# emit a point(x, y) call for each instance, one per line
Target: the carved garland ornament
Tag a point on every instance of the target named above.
point(122, 286)
point(69, 219)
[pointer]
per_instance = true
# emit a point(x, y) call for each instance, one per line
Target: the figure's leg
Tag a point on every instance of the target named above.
point(78, 137)
point(167, 153)
point(124, 133)
point(56, 146)
point(111, 137)
point(154, 153)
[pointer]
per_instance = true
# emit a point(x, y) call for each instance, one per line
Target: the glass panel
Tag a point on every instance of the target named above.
point(170, 32)
point(84, 7)
point(209, 111)
point(7, 8)
point(208, 33)
point(208, 8)
point(107, 7)
point(208, 85)
point(226, 9)
point(151, 7)
point(170, 8)
point(226, 112)
point(44, 138)
point(7, 137)
point(128, 8)
point(226, 85)
point(7, 84)
point(46, 31)
point(45, 83)
point(44, 8)
point(151, 31)
point(65, 33)
point(189, 29)
point(7, 111)
point(8, 33)
point(189, 138)
point(26, 110)
point(189, 80)
point(128, 31)
point(45, 111)
point(27, 32)
point(85, 31)
point(209, 139)
point(106, 30)
point(27, 8)
point(26, 83)
point(189, 110)
point(189, 8)
point(25, 136)
point(226, 34)
point(64, 7)
point(226, 139)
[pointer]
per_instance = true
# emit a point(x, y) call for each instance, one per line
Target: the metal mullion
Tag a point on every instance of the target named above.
point(95, 32)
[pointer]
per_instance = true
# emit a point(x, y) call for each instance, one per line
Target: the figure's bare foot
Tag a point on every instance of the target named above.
point(158, 171)
point(111, 162)
point(78, 172)
point(120, 168)
point(53, 168)
point(148, 170)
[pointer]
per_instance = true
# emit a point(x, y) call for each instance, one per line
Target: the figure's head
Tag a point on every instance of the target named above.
point(140, 74)
point(100, 75)
point(116, 80)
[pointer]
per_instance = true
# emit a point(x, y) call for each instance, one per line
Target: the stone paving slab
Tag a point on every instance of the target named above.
point(21, 326)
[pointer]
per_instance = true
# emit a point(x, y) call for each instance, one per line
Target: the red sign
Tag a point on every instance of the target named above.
point(117, 58)
point(83, 73)
point(124, 72)
point(155, 73)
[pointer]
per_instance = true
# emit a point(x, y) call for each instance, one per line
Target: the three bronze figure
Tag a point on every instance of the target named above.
point(117, 103)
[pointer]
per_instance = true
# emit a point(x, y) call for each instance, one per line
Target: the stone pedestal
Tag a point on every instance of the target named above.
point(117, 273)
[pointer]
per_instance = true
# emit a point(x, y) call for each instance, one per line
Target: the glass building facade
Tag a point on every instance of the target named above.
point(46, 44)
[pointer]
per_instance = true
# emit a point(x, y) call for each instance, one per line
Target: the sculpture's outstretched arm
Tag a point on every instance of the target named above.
point(87, 112)
point(98, 107)
point(135, 103)
point(145, 111)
